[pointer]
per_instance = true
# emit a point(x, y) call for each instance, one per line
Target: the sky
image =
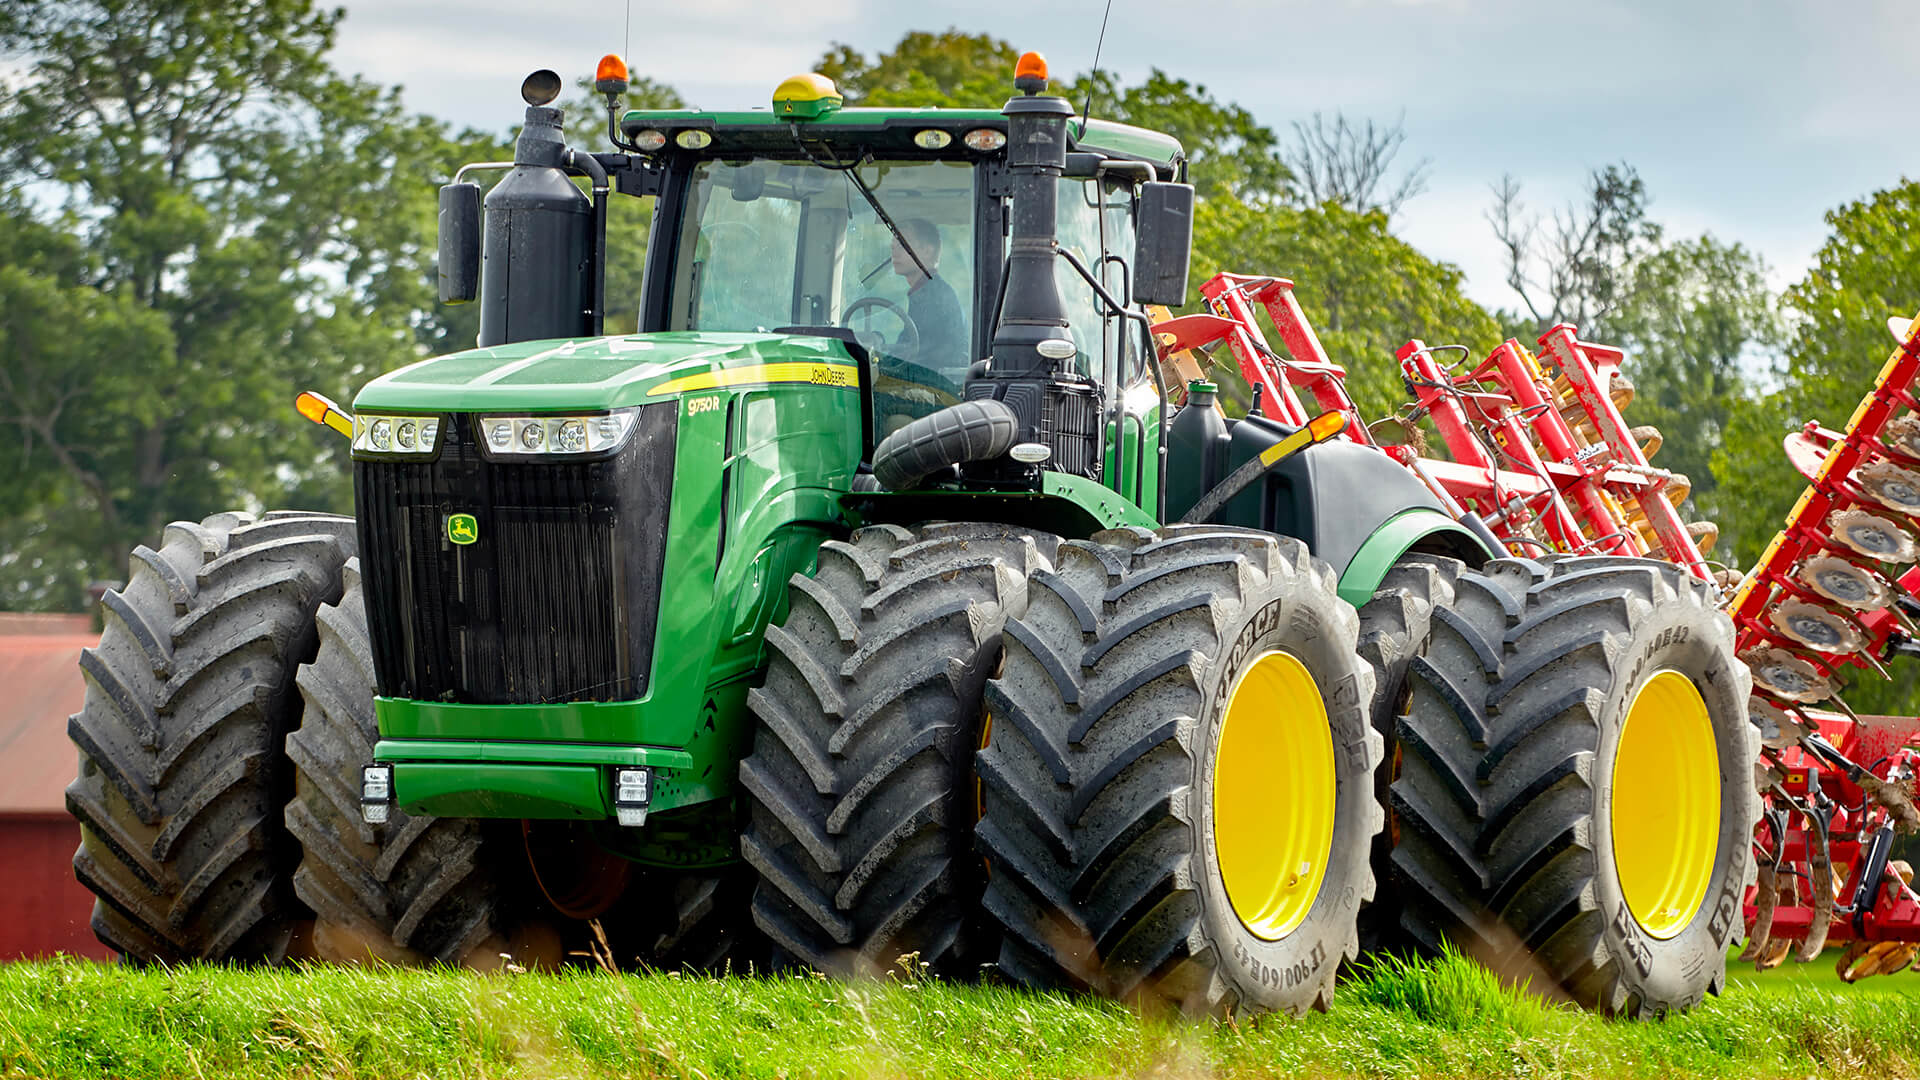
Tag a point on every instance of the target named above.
point(1749, 120)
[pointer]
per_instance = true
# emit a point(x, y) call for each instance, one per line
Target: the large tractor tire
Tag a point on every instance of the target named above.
point(1178, 789)
point(189, 697)
point(1394, 627)
point(1575, 803)
point(415, 890)
point(860, 783)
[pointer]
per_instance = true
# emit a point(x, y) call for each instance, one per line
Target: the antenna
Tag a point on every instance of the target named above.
point(626, 47)
point(1093, 80)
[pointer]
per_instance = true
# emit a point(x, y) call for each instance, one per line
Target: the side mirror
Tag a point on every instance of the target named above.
point(1165, 244)
point(459, 243)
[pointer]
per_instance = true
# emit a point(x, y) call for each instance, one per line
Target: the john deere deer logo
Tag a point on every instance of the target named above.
point(462, 528)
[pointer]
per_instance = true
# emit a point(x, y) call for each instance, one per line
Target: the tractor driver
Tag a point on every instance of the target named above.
point(932, 306)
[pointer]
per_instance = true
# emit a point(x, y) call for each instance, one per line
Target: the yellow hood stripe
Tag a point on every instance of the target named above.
point(846, 375)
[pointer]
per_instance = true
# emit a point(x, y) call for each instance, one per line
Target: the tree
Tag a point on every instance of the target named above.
point(1228, 150)
point(945, 69)
point(241, 222)
point(1692, 318)
point(1365, 290)
point(1577, 265)
point(1346, 163)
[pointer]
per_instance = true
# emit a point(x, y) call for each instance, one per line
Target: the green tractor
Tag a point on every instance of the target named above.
point(872, 601)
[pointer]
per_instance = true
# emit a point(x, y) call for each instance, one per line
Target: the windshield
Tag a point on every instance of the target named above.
point(767, 245)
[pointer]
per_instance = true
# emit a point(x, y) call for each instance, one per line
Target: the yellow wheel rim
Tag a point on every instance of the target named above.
point(1273, 788)
point(1666, 804)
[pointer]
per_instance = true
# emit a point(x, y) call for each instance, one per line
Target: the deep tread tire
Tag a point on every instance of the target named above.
point(700, 920)
point(1098, 776)
point(189, 696)
point(1506, 769)
point(1394, 627)
point(860, 780)
point(415, 890)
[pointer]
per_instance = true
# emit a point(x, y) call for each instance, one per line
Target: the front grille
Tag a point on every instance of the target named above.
point(556, 600)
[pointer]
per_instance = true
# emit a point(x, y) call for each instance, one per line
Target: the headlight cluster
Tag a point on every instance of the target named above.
point(525, 435)
point(395, 434)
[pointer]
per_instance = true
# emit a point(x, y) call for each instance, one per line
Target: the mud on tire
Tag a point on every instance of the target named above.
point(189, 696)
point(1099, 776)
point(1506, 778)
point(860, 779)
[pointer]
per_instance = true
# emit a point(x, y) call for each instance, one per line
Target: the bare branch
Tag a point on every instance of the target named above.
point(1347, 163)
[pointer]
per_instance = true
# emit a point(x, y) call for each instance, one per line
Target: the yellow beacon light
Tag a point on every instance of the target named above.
point(321, 411)
point(806, 97)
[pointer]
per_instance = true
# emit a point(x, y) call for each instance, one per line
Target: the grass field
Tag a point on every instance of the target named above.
point(61, 1019)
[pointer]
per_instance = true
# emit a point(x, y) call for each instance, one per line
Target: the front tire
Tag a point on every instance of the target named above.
point(1574, 796)
point(1178, 787)
point(182, 772)
point(859, 781)
point(416, 890)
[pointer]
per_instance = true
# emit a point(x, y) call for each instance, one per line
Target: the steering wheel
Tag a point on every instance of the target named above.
point(909, 340)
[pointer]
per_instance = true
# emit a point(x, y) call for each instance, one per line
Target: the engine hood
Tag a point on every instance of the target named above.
point(594, 374)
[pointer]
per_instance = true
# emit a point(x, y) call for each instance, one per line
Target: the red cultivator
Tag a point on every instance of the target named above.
point(1823, 598)
point(1537, 451)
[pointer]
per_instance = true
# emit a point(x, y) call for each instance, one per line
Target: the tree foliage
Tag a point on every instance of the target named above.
point(235, 221)
point(1695, 314)
point(945, 69)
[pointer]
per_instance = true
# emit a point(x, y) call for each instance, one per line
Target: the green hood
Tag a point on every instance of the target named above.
point(594, 374)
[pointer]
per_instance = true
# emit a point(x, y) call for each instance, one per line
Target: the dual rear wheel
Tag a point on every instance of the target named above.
point(1181, 776)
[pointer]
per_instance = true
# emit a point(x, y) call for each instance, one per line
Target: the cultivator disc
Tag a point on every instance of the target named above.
point(1787, 676)
point(1903, 434)
point(1892, 486)
point(1872, 535)
point(1816, 627)
point(1844, 583)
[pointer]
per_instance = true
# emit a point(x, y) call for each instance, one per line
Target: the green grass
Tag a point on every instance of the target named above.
point(60, 1019)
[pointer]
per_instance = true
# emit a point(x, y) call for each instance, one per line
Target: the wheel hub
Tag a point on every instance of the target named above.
point(1273, 795)
point(1666, 804)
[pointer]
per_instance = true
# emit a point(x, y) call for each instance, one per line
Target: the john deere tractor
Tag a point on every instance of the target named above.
point(872, 601)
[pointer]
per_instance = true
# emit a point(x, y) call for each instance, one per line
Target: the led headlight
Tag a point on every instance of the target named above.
point(376, 793)
point(375, 434)
point(529, 436)
point(632, 791)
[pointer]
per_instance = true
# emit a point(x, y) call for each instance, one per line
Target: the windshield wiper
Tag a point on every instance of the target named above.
point(852, 172)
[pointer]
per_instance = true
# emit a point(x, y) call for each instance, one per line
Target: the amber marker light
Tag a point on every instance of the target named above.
point(321, 411)
point(1030, 66)
point(611, 76)
point(1327, 425)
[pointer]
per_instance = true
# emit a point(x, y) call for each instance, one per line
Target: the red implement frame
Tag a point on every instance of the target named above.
point(1837, 786)
point(1539, 452)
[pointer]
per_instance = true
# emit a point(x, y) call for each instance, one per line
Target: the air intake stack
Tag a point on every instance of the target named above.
point(1031, 368)
point(536, 276)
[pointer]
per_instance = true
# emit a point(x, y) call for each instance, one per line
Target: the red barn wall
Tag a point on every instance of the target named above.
point(43, 910)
